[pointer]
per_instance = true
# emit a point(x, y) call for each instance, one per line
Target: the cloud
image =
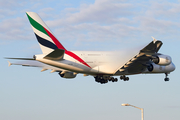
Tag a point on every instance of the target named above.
point(101, 12)
point(112, 20)
point(5, 12)
point(103, 20)
point(14, 29)
point(152, 25)
point(173, 107)
point(13, 21)
point(164, 9)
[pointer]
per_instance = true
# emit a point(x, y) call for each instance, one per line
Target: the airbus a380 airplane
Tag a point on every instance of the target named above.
point(101, 65)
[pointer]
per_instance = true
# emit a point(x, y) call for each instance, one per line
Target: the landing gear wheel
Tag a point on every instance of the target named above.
point(104, 79)
point(166, 79)
point(124, 78)
point(113, 80)
point(127, 78)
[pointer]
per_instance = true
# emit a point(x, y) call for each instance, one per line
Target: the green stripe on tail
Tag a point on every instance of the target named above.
point(37, 25)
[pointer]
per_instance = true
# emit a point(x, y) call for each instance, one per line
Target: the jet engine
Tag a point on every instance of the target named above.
point(154, 68)
point(162, 60)
point(67, 75)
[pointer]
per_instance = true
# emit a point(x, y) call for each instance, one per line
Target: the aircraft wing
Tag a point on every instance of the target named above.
point(139, 63)
point(44, 67)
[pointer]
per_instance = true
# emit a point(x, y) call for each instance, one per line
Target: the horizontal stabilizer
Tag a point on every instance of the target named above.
point(21, 58)
point(57, 54)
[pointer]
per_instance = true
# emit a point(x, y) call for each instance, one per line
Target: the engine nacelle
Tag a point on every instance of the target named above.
point(154, 68)
point(68, 75)
point(162, 60)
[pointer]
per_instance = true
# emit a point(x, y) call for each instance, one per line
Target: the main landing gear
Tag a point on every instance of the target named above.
point(105, 79)
point(166, 78)
point(124, 78)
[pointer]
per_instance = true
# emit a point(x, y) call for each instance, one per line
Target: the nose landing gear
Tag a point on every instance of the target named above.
point(166, 78)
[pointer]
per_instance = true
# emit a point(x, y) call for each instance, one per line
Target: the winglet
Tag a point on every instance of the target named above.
point(152, 47)
point(9, 64)
point(154, 40)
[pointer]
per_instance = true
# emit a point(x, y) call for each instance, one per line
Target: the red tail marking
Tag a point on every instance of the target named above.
point(60, 46)
point(76, 57)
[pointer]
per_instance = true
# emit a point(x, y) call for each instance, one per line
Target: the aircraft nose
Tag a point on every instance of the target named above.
point(172, 67)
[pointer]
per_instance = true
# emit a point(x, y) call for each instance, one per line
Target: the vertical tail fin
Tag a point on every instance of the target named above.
point(45, 37)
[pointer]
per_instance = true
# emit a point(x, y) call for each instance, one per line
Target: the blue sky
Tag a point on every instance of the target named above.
point(27, 93)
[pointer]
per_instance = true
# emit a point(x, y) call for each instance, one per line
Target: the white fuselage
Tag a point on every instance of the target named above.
point(100, 62)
